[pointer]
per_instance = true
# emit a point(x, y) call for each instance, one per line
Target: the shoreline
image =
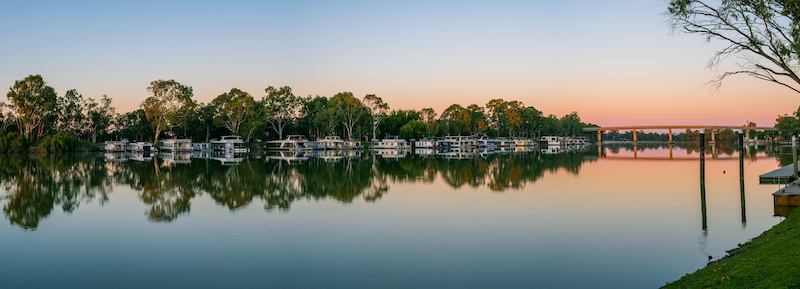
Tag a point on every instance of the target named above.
point(770, 260)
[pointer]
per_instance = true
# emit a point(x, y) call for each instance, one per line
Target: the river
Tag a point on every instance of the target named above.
point(610, 216)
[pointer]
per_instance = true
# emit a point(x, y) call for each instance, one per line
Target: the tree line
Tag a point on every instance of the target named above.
point(34, 111)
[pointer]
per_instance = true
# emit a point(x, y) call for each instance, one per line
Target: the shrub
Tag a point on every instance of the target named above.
point(12, 143)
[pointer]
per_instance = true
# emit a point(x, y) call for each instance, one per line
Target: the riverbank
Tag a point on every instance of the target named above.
point(771, 260)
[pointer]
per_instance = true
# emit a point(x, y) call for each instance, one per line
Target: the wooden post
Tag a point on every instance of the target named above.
point(794, 154)
point(670, 137)
point(599, 136)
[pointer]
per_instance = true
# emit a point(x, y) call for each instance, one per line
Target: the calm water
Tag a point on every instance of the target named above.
point(602, 217)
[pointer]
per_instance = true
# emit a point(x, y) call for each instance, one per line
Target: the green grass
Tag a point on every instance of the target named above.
point(771, 260)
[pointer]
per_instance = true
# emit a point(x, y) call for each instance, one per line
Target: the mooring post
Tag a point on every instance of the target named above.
point(741, 185)
point(703, 184)
point(702, 139)
point(741, 138)
point(599, 136)
point(634, 136)
point(794, 154)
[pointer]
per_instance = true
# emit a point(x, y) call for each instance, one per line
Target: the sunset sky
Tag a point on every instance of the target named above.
point(614, 62)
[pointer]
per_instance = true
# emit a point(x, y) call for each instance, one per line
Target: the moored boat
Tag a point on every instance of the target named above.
point(291, 143)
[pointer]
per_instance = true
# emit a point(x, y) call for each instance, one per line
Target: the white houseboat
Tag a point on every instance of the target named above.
point(230, 144)
point(458, 141)
point(291, 143)
point(332, 143)
point(116, 146)
point(502, 142)
point(176, 145)
point(141, 147)
point(353, 142)
point(550, 141)
point(391, 142)
point(201, 146)
point(426, 142)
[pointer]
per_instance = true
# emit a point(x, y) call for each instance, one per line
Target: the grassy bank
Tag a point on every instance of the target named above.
point(771, 260)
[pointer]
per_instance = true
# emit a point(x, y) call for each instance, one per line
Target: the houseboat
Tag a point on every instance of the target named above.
point(141, 147)
point(521, 142)
point(176, 145)
point(458, 141)
point(332, 143)
point(502, 142)
point(201, 146)
point(391, 142)
point(116, 146)
point(353, 142)
point(552, 141)
point(426, 142)
point(230, 143)
point(291, 143)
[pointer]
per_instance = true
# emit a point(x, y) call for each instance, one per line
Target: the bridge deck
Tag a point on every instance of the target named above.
point(638, 127)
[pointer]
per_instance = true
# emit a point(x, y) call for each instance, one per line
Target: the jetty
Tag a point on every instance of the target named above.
point(782, 175)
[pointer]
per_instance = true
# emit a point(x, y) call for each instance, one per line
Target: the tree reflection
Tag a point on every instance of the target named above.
point(34, 186)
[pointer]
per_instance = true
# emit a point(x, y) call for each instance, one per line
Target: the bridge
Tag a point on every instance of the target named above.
point(702, 128)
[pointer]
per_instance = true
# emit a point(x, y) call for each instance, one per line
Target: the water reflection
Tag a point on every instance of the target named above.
point(34, 186)
point(168, 182)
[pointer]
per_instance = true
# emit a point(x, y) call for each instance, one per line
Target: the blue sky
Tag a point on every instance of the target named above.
point(614, 62)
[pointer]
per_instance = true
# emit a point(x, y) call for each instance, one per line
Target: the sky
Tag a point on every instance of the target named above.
point(614, 62)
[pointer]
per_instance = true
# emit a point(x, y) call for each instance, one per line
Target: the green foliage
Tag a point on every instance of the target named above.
point(788, 125)
point(282, 107)
point(233, 109)
point(413, 129)
point(33, 104)
point(169, 99)
point(64, 142)
point(13, 143)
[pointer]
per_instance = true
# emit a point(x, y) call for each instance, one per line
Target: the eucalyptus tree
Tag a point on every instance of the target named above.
point(530, 121)
point(311, 119)
point(100, 117)
point(168, 98)
point(513, 115)
point(477, 119)
point(377, 108)
point(72, 113)
point(454, 118)
point(392, 123)
point(32, 103)
point(133, 125)
point(233, 108)
point(762, 33)
point(254, 120)
point(350, 109)
point(428, 115)
point(572, 124)
point(283, 107)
